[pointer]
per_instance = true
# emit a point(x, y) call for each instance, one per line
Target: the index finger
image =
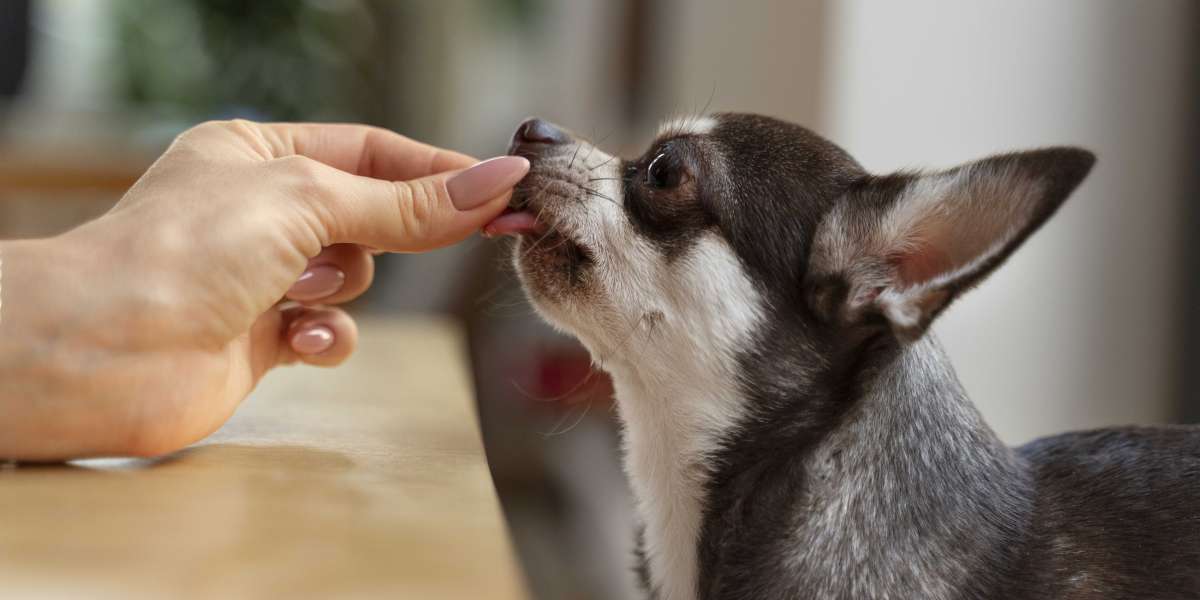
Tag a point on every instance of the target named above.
point(362, 150)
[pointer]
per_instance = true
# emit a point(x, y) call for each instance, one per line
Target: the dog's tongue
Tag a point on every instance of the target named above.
point(512, 223)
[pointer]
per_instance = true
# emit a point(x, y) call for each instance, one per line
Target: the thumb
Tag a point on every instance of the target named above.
point(409, 216)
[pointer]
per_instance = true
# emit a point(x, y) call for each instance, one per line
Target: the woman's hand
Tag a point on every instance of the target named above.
point(140, 332)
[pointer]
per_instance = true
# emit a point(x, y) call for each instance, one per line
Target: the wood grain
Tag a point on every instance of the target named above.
point(364, 481)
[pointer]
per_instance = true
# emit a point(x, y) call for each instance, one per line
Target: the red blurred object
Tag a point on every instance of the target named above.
point(563, 375)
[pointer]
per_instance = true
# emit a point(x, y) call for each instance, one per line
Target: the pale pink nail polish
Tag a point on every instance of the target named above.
point(485, 181)
point(313, 340)
point(319, 281)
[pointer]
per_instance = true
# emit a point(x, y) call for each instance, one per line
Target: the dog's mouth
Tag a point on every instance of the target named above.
point(538, 234)
point(515, 222)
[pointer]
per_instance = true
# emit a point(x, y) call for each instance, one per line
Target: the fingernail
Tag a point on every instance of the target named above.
point(314, 340)
point(319, 281)
point(485, 181)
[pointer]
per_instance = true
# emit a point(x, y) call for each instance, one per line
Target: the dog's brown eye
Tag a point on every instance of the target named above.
point(663, 172)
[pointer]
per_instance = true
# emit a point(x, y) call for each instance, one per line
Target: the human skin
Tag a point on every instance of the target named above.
point(140, 332)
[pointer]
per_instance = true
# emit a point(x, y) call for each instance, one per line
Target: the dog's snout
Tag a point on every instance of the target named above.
point(537, 131)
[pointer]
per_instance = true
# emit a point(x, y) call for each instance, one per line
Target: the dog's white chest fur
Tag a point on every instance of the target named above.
point(678, 397)
point(664, 460)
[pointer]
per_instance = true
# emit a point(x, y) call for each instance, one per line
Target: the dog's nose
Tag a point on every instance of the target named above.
point(537, 131)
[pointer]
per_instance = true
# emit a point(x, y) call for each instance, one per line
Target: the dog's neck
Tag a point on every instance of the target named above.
point(677, 399)
point(889, 480)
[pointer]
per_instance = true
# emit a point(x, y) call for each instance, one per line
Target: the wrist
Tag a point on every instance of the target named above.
point(32, 292)
point(48, 410)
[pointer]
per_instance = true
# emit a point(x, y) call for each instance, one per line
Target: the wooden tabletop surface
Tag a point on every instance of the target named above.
point(364, 481)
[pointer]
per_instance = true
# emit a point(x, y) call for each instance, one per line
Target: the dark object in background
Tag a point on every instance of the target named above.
point(14, 45)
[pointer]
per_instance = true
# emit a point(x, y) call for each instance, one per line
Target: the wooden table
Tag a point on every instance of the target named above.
point(363, 481)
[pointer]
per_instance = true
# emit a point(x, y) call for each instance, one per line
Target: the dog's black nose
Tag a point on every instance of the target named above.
point(537, 131)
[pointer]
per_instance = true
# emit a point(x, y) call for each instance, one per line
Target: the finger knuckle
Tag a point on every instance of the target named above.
point(195, 134)
point(198, 136)
point(304, 176)
point(417, 206)
point(207, 127)
point(307, 193)
point(215, 127)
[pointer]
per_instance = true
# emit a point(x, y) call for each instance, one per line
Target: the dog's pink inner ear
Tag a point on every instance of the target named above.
point(920, 263)
point(957, 231)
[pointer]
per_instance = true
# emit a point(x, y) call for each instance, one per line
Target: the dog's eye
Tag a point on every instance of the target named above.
point(664, 172)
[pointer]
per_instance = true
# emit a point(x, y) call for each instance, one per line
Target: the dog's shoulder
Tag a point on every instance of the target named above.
point(1118, 510)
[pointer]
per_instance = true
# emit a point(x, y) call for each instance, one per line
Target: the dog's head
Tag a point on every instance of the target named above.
point(732, 223)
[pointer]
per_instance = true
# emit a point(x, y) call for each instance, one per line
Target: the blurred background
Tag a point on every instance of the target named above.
point(1094, 322)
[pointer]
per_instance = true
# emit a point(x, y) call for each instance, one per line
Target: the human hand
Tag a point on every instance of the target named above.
point(140, 332)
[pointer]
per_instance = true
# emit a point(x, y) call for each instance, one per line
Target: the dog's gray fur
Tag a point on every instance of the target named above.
point(791, 430)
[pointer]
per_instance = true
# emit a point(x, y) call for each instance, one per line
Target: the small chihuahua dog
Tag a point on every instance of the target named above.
point(790, 429)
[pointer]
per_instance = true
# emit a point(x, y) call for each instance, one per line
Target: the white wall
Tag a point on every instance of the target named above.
point(762, 56)
point(1076, 330)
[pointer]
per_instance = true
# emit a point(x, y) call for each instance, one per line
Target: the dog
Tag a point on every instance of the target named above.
point(790, 429)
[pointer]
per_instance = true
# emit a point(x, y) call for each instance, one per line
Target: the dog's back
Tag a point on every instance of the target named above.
point(1117, 514)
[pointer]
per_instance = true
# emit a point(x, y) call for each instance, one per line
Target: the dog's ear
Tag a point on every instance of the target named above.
point(898, 249)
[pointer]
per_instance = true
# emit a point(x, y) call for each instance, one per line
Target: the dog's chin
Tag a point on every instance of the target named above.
point(554, 268)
